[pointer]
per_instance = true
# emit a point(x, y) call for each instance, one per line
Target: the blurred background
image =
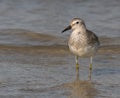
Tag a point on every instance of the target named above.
point(34, 58)
point(51, 16)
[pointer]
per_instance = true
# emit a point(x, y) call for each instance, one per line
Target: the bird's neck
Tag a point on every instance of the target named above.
point(81, 29)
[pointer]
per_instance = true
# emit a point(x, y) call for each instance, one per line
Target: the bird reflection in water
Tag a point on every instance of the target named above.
point(81, 89)
point(89, 76)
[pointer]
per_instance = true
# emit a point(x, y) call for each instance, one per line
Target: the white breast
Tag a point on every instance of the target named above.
point(78, 45)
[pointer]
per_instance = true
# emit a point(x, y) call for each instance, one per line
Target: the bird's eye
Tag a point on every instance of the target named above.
point(77, 22)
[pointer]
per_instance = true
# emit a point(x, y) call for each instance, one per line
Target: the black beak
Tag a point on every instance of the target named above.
point(68, 28)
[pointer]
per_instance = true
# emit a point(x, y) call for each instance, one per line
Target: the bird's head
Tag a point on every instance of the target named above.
point(76, 23)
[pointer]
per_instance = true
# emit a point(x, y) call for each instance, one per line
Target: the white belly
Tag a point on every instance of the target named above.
point(79, 45)
point(83, 51)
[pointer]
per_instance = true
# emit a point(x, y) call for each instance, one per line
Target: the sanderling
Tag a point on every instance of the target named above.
point(82, 42)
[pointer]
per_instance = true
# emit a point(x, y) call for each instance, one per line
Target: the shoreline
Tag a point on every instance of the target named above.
point(25, 41)
point(55, 49)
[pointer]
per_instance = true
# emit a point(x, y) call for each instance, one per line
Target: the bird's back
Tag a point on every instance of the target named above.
point(92, 38)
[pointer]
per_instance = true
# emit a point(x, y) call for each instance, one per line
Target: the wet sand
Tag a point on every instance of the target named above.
point(34, 65)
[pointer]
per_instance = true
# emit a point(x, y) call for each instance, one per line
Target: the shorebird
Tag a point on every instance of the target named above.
point(82, 42)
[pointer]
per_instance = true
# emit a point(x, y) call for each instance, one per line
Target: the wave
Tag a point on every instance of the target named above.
point(25, 41)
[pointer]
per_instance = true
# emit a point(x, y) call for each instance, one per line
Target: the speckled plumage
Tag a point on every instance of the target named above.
point(82, 42)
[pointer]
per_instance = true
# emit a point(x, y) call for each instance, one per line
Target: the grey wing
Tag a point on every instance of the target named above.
point(92, 38)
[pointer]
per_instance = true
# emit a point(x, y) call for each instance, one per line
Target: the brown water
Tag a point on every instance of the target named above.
point(34, 58)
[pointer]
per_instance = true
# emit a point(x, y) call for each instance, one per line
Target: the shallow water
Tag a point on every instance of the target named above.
point(34, 58)
point(47, 68)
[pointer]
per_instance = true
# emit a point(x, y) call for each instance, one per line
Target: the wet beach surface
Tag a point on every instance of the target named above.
point(47, 68)
point(35, 61)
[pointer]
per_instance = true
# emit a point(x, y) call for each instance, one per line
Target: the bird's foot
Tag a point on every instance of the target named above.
point(90, 68)
point(89, 77)
point(77, 66)
point(77, 71)
point(90, 72)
